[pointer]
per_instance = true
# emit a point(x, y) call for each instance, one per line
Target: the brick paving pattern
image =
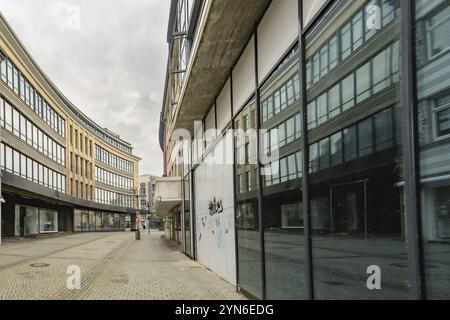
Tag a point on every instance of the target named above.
point(113, 267)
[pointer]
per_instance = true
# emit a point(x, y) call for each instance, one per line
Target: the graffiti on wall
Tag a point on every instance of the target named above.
point(216, 223)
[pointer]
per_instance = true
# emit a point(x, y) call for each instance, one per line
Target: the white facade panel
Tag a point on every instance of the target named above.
point(310, 9)
point(215, 229)
point(210, 126)
point(244, 81)
point(224, 107)
point(277, 31)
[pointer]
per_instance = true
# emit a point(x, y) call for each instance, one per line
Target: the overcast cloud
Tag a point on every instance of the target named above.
point(112, 68)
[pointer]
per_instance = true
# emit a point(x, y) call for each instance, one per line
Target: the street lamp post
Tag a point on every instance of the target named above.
point(138, 219)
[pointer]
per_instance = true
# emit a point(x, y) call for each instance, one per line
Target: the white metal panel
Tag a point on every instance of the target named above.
point(210, 126)
point(244, 81)
point(277, 31)
point(310, 9)
point(224, 107)
point(215, 235)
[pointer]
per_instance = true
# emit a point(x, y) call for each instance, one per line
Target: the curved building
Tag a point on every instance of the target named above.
point(61, 171)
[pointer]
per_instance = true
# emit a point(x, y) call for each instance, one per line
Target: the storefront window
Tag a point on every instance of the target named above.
point(110, 220)
point(48, 221)
point(98, 221)
point(91, 221)
point(85, 225)
point(116, 221)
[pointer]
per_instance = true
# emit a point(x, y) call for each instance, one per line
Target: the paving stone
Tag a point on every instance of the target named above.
point(113, 267)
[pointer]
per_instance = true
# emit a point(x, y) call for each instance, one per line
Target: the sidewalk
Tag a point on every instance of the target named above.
point(114, 267)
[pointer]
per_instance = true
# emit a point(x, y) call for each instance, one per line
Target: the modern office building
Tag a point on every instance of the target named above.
point(351, 183)
point(60, 170)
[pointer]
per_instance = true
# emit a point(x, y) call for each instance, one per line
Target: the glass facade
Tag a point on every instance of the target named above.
point(282, 209)
point(112, 160)
point(113, 198)
point(23, 166)
point(357, 238)
point(247, 191)
point(31, 221)
point(188, 216)
point(24, 129)
point(355, 156)
point(91, 221)
point(432, 20)
point(112, 179)
point(17, 82)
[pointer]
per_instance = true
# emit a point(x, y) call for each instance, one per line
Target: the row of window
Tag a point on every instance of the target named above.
point(18, 164)
point(113, 198)
point(346, 40)
point(247, 181)
point(373, 77)
point(282, 135)
point(11, 75)
point(441, 115)
point(286, 169)
point(108, 139)
point(82, 143)
point(15, 122)
point(366, 137)
point(283, 98)
point(113, 179)
point(89, 221)
point(113, 161)
point(81, 166)
point(81, 190)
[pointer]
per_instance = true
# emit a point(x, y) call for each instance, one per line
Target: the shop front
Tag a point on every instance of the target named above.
point(30, 221)
point(94, 221)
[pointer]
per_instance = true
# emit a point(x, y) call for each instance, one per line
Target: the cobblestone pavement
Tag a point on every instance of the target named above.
point(113, 267)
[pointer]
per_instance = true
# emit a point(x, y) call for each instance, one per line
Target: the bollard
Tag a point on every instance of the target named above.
point(138, 234)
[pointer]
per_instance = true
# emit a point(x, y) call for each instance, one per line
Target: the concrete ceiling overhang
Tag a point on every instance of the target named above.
point(163, 207)
point(228, 28)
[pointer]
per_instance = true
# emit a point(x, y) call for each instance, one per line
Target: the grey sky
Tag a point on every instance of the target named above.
point(112, 68)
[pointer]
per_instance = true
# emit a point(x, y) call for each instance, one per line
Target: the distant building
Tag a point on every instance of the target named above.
point(61, 172)
point(147, 184)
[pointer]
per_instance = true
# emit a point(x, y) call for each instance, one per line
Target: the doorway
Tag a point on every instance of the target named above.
point(349, 208)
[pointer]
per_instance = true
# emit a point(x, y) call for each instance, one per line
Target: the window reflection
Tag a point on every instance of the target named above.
point(248, 235)
point(433, 60)
point(282, 209)
point(355, 166)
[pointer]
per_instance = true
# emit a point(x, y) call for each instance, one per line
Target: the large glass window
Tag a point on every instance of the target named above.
point(48, 221)
point(433, 95)
point(248, 235)
point(438, 25)
point(281, 208)
point(355, 199)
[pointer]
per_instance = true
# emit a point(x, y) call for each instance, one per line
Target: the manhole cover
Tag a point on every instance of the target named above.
point(39, 265)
